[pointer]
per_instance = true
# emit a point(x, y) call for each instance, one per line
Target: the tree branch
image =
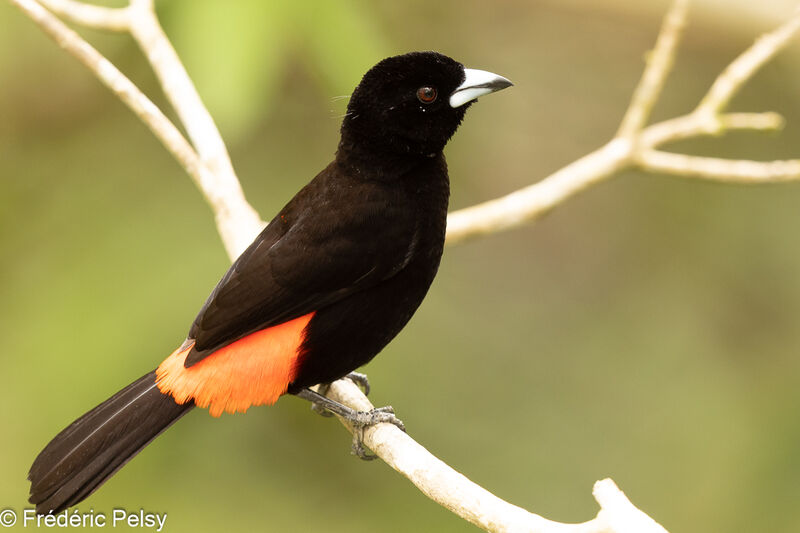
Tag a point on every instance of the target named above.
point(207, 162)
point(713, 168)
point(529, 203)
point(473, 503)
point(164, 130)
point(745, 66)
point(238, 222)
point(701, 124)
point(659, 64)
point(626, 149)
point(91, 16)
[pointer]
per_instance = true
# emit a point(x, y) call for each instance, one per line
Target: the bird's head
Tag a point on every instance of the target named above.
point(413, 103)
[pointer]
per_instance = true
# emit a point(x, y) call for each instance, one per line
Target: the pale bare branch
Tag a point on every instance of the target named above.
point(224, 192)
point(211, 169)
point(713, 168)
point(207, 162)
point(699, 124)
point(529, 203)
point(623, 152)
point(179, 88)
point(473, 503)
point(111, 77)
point(91, 16)
point(533, 201)
point(745, 66)
point(659, 64)
point(431, 475)
point(619, 514)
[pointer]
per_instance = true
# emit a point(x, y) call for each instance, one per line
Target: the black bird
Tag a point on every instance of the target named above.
point(324, 287)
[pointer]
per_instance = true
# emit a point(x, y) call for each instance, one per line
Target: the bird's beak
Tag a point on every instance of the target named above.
point(477, 83)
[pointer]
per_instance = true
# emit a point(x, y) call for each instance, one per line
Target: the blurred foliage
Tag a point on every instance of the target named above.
point(238, 51)
point(644, 330)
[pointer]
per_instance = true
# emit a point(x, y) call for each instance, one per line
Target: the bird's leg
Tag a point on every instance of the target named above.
point(356, 377)
point(359, 419)
point(318, 407)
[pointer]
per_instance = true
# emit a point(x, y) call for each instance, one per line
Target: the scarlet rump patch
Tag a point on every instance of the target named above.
point(255, 370)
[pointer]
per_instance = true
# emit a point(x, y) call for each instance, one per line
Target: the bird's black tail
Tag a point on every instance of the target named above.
point(91, 449)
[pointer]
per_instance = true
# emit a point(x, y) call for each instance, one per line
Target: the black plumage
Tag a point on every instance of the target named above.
point(95, 446)
point(358, 247)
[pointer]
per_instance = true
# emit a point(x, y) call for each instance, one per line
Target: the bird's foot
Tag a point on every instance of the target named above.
point(359, 419)
point(365, 419)
point(359, 379)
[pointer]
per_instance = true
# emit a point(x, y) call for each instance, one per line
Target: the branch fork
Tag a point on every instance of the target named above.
point(637, 146)
point(204, 157)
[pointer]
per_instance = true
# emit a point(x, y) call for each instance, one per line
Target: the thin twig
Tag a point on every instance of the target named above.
point(238, 222)
point(659, 65)
point(698, 125)
point(89, 15)
point(164, 130)
point(619, 513)
point(529, 203)
point(431, 475)
point(745, 66)
point(713, 168)
point(634, 146)
point(207, 162)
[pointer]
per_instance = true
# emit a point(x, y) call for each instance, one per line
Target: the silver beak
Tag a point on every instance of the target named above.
point(477, 83)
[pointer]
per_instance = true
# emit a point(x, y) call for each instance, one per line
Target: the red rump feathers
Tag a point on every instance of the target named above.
point(255, 370)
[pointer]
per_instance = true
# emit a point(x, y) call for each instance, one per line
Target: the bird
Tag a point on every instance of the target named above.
point(327, 284)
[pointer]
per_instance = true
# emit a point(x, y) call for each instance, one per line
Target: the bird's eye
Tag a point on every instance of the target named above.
point(426, 95)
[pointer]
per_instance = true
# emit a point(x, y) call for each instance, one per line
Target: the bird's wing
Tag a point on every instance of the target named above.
point(314, 253)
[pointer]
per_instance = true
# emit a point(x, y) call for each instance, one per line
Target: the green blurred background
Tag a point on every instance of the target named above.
point(645, 330)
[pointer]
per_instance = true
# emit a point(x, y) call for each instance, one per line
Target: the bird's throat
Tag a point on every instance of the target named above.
point(374, 159)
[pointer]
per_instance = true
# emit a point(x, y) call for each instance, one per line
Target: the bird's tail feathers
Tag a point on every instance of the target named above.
point(91, 449)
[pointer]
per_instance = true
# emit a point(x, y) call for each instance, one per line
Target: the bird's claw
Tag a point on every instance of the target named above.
point(359, 420)
point(364, 419)
point(361, 380)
